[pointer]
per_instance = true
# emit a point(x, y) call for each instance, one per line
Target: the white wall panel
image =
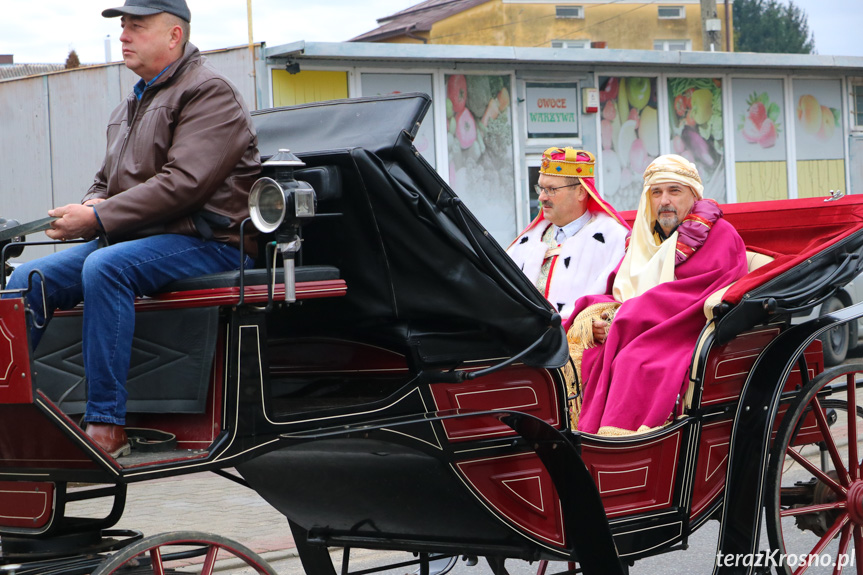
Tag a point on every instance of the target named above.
point(79, 104)
point(236, 65)
point(25, 169)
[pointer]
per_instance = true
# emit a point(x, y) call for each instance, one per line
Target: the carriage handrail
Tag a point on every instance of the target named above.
point(459, 376)
point(839, 277)
point(771, 306)
point(16, 244)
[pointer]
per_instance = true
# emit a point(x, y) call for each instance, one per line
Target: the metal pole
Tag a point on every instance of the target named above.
point(727, 27)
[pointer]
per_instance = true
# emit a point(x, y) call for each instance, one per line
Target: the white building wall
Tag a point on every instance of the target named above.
point(25, 151)
point(53, 132)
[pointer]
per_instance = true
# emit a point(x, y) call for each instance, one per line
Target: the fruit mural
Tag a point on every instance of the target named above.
point(760, 144)
point(816, 119)
point(480, 148)
point(629, 135)
point(696, 129)
point(819, 136)
point(760, 124)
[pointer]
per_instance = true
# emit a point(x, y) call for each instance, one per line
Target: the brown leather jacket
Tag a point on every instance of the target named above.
point(188, 149)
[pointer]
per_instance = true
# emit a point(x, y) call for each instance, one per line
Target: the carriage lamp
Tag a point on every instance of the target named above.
point(279, 203)
point(7, 229)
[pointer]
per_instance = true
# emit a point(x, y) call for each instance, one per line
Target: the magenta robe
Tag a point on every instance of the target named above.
point(636, 376)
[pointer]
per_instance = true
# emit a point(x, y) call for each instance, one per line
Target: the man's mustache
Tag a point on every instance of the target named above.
point(666, 209)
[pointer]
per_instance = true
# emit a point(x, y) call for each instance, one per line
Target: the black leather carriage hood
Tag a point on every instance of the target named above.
point(411, 252)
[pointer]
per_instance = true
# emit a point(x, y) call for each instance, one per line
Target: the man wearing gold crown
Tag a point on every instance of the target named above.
point(634, 366)
point(577, 239)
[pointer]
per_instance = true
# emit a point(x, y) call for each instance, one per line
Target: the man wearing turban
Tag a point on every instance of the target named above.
point(577, 239)
point(634, 366)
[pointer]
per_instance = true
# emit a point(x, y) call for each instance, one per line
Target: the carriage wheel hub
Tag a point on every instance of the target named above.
point(855, 502)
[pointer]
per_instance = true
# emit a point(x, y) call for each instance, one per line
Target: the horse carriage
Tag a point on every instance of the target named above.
point(397, 383)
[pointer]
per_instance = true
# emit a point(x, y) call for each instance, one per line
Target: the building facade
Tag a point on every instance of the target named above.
point(623, 24)
point(758, 126)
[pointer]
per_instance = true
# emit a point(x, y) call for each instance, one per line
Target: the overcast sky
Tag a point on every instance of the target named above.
point(45, 31)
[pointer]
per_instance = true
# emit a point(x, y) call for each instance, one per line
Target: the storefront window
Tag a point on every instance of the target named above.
point(629, 136)
point(385, 84)
point(819, 138)
point(480, 149)
point(695, 113)
point(857, 102)
point(552, 110)
point(760, 125)
point(533, 197)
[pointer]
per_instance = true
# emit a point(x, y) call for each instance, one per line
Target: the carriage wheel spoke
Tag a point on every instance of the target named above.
point(853, 461)
point(816, 471)
point(210, 560)
point(156, 560)
point(844, 542)
point(827, 437)
point(825, 540)
point(812, 509)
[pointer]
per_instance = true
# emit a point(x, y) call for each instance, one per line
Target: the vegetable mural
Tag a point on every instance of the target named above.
point(480, 148)
point(629, 135)
point(696, 128)
point(477, 144)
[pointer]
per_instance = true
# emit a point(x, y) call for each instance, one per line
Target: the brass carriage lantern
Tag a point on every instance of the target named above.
point(279, 203)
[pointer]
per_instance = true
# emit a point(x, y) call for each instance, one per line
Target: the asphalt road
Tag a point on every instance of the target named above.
point(698, 559)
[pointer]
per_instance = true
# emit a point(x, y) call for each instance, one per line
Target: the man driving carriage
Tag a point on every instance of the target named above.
point(577, 239)
point(167, 203)
point(634, 346)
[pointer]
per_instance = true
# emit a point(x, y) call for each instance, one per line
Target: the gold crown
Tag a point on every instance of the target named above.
point(569, 166)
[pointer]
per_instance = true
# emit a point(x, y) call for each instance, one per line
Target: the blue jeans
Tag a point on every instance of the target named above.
point(107, 280)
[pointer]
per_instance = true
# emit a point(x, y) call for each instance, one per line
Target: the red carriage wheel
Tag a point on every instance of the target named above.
point(193, 551)
point(815, 510)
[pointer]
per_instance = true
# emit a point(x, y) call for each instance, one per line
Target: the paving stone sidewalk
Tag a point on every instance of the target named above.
point(201, 502)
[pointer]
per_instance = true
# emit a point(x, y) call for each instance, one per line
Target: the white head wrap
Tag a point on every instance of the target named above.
point(647, 262)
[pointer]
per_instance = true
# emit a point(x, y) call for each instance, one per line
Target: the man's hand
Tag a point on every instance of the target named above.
point(600, 328)
point(76, 221)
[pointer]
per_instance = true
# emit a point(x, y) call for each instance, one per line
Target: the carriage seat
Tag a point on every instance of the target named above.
point(252, 277)
point(172, 350)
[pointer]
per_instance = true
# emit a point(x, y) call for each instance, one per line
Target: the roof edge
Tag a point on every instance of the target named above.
point(558, 56)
